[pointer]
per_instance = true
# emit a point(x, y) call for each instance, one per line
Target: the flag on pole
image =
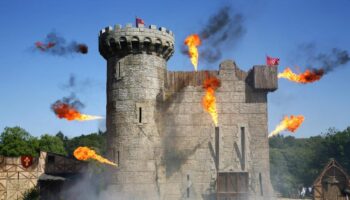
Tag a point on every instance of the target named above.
point(139, 21)
point(272, 61)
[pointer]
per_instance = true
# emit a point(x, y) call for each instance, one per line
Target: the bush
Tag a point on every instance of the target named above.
point(31, 194)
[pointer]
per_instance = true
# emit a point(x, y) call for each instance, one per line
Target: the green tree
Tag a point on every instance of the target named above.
point(52, 144)
point(60, 135)
point(96, 141)
point(16, 141)
point(31, 194)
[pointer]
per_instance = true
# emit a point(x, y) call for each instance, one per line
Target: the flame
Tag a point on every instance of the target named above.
point(64, 110)
point(291, 124)
point(209, 100)
point(192, 42)
point(44, 47)
point(50, 45)
point(85, 153)
point(308, 76)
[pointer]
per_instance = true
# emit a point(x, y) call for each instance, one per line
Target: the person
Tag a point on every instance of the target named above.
point(309, 191)
point(303, 191)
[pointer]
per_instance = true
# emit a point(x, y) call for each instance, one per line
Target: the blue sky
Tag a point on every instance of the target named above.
point(31, 82)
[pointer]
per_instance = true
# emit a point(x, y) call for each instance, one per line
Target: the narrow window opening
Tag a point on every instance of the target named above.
point(140, 115)
point(188, 186)
point(119, 75)
point(243, 147)
point(114, 71)
point(261, 186)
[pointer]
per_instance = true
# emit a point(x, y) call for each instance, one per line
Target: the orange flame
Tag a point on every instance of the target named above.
point(308, 76)
point(192, 42)
point(209, 100)
point(85, 153)
point(68, 112)
point(291, 124)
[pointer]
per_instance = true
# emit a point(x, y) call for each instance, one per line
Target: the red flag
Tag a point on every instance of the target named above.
point(139, 21)
point(272, 61)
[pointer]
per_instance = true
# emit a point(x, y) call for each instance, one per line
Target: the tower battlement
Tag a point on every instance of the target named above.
point(120, 41)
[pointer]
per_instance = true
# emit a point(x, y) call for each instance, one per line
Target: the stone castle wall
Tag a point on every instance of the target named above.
point(158, 132)
point(189, 135)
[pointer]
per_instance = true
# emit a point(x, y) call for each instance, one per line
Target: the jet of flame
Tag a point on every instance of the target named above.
point(210, 84)
point(192, 42)
point(68, 112)
point(85, 153)
point(308, 76)
point(291, 124)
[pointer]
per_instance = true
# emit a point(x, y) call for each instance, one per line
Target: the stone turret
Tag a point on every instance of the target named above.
point(120, 41)
point(136, 66)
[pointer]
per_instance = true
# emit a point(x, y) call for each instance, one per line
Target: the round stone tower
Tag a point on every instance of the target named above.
point(136, 68)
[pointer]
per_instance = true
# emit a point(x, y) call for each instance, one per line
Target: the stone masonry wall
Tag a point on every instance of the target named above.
point(188, 141)
point(134, 83)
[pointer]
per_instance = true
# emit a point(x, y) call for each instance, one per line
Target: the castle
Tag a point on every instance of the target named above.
point(165, 143)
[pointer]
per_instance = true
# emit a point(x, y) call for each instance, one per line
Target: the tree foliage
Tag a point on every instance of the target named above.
point(96, 141)
point(16, 141)
point(31, 194)
point(52, 144)
point(296, 162)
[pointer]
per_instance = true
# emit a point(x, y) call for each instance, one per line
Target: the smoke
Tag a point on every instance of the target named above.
point(93, 186)
point(174, 157)
point(77, 86)
point(328, 61)
point(57, 45)
point(69, 102)
point(72, 82)
point(221, 32)
point(333, 59)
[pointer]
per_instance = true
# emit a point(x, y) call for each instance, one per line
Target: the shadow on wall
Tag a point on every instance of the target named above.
point(173, 157)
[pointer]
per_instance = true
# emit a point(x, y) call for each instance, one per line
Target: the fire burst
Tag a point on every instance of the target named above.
point(192, 42)
point(308, 76)
point(209, 100)
point(291, 124)
point(68, 112)
point(85, 153)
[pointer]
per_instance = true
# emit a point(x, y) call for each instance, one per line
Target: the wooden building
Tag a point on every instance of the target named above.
point(333, 183)
point(19, 174)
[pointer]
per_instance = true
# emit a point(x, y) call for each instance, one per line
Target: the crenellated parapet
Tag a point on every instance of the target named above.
point(120, 41)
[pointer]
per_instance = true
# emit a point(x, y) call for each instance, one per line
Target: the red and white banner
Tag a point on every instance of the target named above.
point(26, 161)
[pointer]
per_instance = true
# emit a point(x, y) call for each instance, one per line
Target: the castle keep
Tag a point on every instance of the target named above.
point(165, 143)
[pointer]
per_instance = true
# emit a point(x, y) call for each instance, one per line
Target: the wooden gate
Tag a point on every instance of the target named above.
point(232, 186)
